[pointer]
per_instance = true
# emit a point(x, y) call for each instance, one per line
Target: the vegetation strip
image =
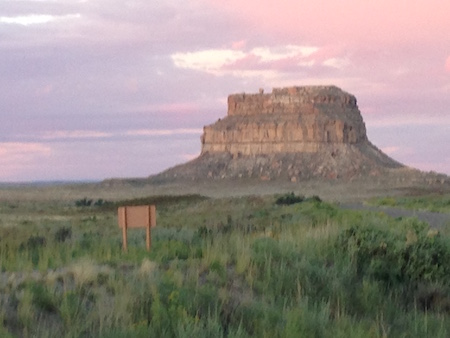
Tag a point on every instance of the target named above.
point(278, 266)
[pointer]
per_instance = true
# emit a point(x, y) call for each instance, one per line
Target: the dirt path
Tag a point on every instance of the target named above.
point(434, 219)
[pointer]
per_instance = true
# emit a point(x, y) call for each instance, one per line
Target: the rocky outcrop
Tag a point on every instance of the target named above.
point(294, 134)
point(288, 120)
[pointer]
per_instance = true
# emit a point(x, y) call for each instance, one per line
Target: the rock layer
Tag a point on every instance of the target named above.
point(288, 120)
point(292, 133)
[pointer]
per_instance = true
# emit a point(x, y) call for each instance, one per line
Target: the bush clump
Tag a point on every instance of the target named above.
point(88, 202)
point(398, 258)
point(63, 234)
point(84, 202)
point(34, 242)
point(314, 198)
point(289, 199)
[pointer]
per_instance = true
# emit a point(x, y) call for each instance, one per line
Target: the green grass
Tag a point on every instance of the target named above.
point(435, 202)
point(229, 267)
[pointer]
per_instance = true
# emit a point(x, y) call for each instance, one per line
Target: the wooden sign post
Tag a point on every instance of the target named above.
point(143, 216)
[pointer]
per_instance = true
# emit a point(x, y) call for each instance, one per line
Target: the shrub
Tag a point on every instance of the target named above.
point(203, 232)
point(289, 199)
point(43, 299)
point(398, 258)
point(387, 201)
point(33, 243)
point(84, 202)
point(100, 202)
point(314, 198)
point(62, 234)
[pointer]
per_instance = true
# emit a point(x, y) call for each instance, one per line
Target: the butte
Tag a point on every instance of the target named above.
point(291, 134)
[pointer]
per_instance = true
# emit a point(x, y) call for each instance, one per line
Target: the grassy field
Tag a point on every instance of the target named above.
point(431, 202)
point(263, 265)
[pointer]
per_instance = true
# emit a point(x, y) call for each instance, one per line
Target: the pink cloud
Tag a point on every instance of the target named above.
point(238, 44)
point(440, 167)
point(255, 62)
point(381, 22)
point(383, 119)
point(188, 157)
point(327, 52)
point(164, 132)
point(44, 90)
point(401, 151)
point(74, 134)
point(132, 85)
point(249, 61)
point(18, 157)
point(21, 150)
point(177, 107)
point(390, 150)
point(447, 65)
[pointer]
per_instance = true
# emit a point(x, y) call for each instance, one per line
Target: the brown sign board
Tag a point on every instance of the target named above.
point(137, 216)
point(143, 216)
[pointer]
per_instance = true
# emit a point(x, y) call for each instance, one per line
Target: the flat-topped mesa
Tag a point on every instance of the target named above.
point(291, 100)
point(295, 134)
point(288, 120)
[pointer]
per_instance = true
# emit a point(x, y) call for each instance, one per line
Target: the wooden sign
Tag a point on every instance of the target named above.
point(143, 216)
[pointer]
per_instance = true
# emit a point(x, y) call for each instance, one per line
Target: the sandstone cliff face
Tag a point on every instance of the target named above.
point(293, 134)
point(288, 120)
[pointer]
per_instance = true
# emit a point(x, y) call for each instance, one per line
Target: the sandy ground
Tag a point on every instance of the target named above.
point(332, 191)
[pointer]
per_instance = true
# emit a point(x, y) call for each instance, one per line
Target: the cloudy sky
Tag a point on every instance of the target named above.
point(92, 89)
